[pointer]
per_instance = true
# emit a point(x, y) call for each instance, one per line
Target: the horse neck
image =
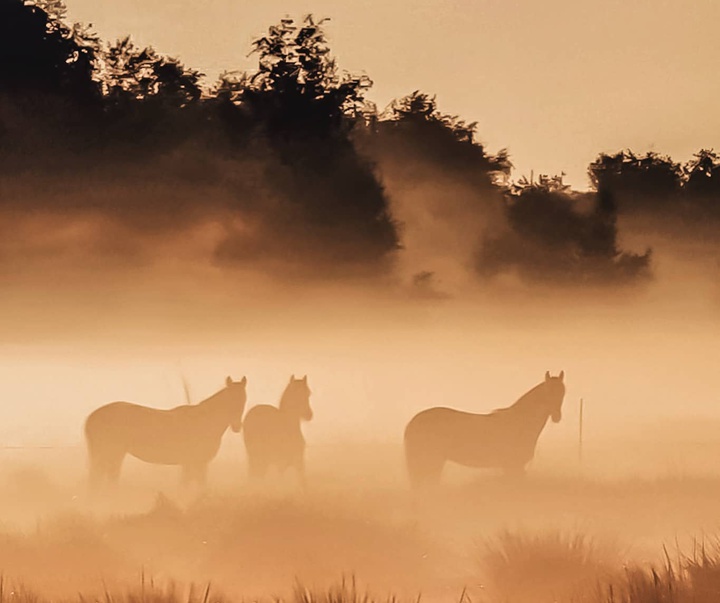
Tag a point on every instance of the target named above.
point(529, 411)
point(215, 408)
point(285, 407)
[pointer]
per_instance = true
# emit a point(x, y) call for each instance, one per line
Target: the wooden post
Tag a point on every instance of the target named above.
point(580, 434)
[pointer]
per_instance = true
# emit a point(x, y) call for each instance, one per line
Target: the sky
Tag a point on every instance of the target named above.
point(555, 82)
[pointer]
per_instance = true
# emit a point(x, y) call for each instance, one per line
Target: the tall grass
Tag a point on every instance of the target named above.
point(693, 578)
point(546, 566)
point(345, 591)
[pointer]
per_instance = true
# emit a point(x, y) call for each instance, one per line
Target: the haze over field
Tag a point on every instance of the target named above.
point(161, 231)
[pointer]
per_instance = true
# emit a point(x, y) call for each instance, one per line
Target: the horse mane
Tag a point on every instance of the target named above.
point(210, 399)
point(522, 400)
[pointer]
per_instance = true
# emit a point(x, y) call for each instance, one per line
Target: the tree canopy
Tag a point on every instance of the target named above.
point(293, 151)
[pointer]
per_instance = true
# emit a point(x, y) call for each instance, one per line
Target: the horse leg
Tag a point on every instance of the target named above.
point(113, 465)
point(105, 465)
point(433, 471)
point(96, 472)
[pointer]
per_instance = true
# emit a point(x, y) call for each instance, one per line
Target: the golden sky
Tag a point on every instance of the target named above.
point(556, 82)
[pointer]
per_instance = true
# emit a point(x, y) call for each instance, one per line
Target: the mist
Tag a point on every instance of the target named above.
point(160, 234)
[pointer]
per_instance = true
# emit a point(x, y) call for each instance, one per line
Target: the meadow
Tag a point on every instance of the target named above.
point(563, 534)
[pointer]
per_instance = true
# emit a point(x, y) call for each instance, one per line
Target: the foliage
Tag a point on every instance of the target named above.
point(702, 175)
point(131, 74)
point(305, 109)
point(416, 125)
point(562, 236)
point(317, 149)
point(657, 186)
point(41, 55)
point(648, 175)
point(298, 88)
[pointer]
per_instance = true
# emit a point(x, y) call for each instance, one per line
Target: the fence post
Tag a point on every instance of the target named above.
point(580, 434)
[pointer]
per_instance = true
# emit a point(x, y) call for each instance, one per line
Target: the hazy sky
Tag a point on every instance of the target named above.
point(556, 81)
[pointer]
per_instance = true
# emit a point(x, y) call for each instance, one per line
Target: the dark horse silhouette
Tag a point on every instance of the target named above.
point(273, 436)
point(188, 435)
point(505, 438)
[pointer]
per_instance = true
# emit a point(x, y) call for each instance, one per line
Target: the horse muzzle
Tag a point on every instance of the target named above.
point(556, 416)
point(236, 428)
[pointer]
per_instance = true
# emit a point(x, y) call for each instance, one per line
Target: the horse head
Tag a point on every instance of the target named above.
point(237, 396)
point(296, 398)
point(554, 390)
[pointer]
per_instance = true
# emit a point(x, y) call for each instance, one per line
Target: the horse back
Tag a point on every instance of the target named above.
point(441, 419)
point(154, 435)
point(482, 440)
point(116, 413)
point(264, 420)
point(267, 431)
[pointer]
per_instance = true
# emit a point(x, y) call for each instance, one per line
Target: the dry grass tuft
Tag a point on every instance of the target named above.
point(547, 566)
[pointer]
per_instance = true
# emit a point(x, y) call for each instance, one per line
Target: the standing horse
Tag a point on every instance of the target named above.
point(188, 436)
point(505, 438)
point(273, 436)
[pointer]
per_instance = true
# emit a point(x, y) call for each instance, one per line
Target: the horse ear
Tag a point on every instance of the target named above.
point(244, 380)
point(292, 377)
point(228, 381)
point(305, 378)
point(562, 375)
point(547, 375)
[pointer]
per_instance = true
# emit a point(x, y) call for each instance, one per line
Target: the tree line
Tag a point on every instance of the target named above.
point(296, 151)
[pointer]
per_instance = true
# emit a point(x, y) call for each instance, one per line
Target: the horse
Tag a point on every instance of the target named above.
point(504, 439)
point(273, 436)
point(188, 435)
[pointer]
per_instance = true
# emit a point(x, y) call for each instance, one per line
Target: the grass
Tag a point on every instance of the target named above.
point(536, 567)
point(691, 578)
point(551, 566)
point(256, 545)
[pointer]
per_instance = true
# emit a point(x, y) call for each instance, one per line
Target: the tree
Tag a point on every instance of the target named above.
point(702, 175)
point(134, 74)
point(637, 181)
point(149, 97)
point(50, 101)
point(416, 124)
point(297, 89)
point(300, 109)
point(42, 55)
point(559, 235)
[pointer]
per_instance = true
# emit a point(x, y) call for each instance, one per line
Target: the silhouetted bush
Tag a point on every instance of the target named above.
point(414, 126)
point(294, 162)
point(701, 187)
point(561, 236)
point(50, 98)
point(656, 186)
point(303, 108)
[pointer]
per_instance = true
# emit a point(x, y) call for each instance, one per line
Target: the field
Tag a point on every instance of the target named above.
point(645, 497)
point(558, 535)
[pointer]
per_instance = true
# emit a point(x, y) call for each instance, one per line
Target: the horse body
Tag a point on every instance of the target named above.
point(188, 436)
point(505, 439)
point(273, 435)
